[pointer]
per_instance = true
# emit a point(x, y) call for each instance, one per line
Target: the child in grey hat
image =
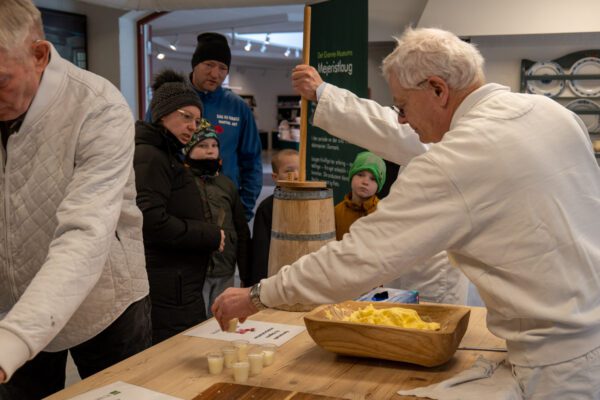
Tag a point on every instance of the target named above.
point(221, 201)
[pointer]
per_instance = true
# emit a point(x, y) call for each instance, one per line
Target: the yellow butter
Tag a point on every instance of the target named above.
point(393, 316)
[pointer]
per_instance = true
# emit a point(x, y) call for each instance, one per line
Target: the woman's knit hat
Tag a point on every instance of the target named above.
point(369, 162)
point(211, 46)
point(171, 92)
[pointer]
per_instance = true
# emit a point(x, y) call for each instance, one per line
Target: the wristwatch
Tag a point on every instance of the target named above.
point(255, 297)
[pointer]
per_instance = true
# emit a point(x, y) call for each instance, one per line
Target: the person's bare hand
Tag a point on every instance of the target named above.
point(233, 303)
point(2, 375)
point(222, 244)
point(305, 81)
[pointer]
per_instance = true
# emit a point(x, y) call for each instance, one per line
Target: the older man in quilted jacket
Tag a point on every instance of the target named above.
point(72, 274)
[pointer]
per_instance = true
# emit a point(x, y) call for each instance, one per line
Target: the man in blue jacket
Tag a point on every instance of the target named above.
point(231, 117)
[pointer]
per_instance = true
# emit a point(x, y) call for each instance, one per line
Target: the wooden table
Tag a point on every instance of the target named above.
point(178, 367)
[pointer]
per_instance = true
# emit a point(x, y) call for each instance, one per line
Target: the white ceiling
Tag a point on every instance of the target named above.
point(188, 18)
point(184, 25)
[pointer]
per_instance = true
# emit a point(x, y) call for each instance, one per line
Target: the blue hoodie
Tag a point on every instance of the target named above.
point(240, 147)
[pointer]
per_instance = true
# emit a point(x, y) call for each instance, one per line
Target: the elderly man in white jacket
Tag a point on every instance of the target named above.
point(510, 188)
point(435, 278)
point(72, 270)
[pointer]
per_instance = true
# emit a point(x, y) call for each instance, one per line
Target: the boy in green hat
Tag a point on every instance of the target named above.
point(367, 176)
point(220, 197)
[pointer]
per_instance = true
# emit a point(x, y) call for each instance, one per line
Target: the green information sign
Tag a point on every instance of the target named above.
point(338, 50)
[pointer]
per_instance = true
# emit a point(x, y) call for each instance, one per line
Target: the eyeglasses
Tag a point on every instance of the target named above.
point(187, 117)
point(400, 110)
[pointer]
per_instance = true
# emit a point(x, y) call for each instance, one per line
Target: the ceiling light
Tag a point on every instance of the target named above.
point(263, 48)
point(297, 53)
point(248, 46)
point(160, 56)
point(173, 45)
point(287, 52)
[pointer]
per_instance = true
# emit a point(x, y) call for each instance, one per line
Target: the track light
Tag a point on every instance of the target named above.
point(160, 56)
point(248, 46)
point(173, 45)
point(263, 48)
point(267, 39)
point(287, 52)
point(297, 53)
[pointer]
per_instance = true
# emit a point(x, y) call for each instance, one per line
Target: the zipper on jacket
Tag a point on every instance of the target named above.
point(5, 199)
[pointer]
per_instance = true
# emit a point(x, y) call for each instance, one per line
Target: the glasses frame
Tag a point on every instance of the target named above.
point(187, 117)
point(400, 110)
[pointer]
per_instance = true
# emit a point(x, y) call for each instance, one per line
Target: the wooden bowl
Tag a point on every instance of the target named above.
point(416, 346)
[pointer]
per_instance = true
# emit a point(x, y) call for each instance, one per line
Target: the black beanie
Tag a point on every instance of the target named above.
point(171, 92)
point(211, 46)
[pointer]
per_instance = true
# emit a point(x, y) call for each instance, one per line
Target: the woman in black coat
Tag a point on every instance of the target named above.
point(178, 243)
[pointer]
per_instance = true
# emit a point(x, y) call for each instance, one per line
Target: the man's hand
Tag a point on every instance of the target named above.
point(233, 303)
point(306, 80)
point(2, 375)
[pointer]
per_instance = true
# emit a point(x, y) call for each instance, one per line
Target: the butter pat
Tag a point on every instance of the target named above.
point(393, 316)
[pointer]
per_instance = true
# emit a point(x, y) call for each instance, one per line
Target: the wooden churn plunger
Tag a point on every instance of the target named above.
point(303, 217)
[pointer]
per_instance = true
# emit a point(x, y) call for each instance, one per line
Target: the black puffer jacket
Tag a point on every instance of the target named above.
point(178, 243)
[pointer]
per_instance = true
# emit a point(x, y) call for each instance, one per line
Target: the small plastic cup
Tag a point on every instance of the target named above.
point(215, 362)
point(269, 350)
point(242, 349)
point(241, 370)
point(229, 355)
point(232, 325)
point(255, 358)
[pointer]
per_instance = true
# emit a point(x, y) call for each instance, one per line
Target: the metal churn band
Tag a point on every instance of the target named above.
point(303, 194)
point(302, 237)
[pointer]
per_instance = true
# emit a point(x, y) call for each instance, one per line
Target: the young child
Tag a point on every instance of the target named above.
point(220, 197)
point(367, 176)
point(286, 164)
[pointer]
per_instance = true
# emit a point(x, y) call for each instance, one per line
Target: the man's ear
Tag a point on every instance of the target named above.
point(440, 88)
point(41, 54)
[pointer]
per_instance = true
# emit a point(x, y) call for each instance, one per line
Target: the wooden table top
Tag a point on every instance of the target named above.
point(178, 366)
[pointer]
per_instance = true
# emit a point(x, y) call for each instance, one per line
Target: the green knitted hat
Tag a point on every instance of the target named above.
point(369, 162)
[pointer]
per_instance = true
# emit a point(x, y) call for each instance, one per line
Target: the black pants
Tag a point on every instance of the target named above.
point(45, 373)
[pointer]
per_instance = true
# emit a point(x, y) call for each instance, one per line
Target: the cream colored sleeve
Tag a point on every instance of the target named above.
point(367, 124)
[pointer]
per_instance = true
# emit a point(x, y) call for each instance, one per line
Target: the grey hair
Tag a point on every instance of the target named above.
point(20, 20)
point(424, 52)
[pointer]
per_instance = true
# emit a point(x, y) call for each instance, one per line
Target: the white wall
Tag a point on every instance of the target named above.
point(512, 17)
point(102, 35)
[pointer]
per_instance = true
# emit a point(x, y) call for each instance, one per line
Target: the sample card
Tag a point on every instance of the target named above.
point(255, 332)
point(123, 391)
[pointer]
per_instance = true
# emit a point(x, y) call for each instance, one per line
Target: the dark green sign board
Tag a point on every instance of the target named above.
point(338, 50)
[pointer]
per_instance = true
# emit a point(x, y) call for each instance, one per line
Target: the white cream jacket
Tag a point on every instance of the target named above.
point(512, 192)
point(340, 111)
point(71, 250)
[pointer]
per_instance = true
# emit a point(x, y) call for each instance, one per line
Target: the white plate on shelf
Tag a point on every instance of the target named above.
point(547, 87)
point(586, 87)
point(591, 121)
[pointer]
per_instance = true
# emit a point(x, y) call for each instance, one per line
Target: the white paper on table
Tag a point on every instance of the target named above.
point(255, 332)
point(123, 391)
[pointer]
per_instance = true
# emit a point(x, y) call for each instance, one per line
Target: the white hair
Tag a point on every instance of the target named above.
point(421, 53)
point(20, 20)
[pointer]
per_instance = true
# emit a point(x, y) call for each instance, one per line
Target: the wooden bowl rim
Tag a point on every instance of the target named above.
point(460, 312)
